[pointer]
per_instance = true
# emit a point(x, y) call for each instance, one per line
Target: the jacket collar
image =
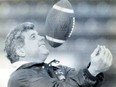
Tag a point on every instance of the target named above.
point(25, 64)
point(18, 64)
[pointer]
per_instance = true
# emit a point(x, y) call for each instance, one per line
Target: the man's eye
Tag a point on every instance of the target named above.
point(33, 37)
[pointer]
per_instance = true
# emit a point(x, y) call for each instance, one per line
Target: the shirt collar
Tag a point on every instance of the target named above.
point(17, 64)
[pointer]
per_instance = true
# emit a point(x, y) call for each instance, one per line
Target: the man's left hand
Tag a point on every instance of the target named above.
point(101, 60)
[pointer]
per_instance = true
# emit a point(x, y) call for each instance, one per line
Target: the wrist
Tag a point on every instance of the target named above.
point(89, 75)
point(93, 71)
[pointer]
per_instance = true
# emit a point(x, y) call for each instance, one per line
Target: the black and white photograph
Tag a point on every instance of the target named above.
point(57, 43)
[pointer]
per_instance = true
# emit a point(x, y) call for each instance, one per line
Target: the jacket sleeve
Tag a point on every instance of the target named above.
point(83, 78)
point(29, 78)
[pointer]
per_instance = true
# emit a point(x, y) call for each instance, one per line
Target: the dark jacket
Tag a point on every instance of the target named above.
point(43, 75)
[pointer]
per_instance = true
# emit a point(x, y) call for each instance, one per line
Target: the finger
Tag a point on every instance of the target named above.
point(95, 52)
point(103, 55)
point(104, 48)
point(106, 52)
point(102, 51)
point(106, 58)
point(110, 57)
point(111, 60)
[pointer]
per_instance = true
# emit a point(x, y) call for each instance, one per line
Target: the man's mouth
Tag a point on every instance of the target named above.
point(42, 45)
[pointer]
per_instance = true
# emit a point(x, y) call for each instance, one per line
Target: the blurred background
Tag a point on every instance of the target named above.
point(95, 24)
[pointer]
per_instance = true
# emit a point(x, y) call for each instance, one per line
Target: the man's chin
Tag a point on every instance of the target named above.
point(45, 53)
point(44, 56)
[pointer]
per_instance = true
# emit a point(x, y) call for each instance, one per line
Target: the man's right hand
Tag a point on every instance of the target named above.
point(101, 60)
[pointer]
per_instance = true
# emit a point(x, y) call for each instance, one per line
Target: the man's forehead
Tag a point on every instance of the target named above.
point(29, 32)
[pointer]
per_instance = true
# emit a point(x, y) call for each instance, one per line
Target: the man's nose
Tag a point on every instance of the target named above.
point(41, 38)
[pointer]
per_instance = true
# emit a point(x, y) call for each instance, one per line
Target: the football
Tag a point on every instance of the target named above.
point(59, 23)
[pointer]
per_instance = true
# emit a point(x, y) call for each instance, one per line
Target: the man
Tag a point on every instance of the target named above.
point(27, 51)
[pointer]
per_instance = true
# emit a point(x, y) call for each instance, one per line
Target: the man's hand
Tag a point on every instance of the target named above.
point(101, 60)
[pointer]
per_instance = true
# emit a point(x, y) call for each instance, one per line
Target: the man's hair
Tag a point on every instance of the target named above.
point(16, 39)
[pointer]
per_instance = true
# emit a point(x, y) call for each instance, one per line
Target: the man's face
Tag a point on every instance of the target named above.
point(35, 46)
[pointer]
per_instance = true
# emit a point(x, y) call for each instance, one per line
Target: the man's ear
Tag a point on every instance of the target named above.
point(20, 51)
